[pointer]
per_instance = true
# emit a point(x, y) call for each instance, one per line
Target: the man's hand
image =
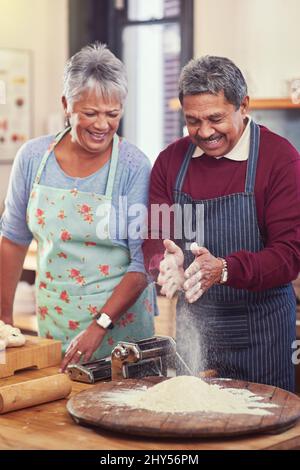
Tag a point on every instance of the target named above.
point(83, 345)
point(171, 273)
point(203, 272)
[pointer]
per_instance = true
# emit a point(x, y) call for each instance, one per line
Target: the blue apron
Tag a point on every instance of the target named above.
point(241, 334)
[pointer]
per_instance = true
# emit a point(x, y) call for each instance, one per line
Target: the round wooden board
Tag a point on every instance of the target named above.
point(92, 408)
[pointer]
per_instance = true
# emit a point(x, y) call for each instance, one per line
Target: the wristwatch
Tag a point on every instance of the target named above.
point(104, 320)
point(224, 273)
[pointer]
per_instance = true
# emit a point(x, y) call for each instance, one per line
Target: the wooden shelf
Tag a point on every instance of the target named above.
point(273, 103)
point(259, 103)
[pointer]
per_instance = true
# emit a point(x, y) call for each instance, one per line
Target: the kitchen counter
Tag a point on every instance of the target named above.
point(49, 426)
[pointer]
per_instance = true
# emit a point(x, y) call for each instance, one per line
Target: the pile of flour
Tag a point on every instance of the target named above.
point(188, 394)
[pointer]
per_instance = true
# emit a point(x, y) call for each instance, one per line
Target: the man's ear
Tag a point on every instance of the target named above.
point(245, 105)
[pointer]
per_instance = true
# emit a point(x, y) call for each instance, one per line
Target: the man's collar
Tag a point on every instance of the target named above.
point(239, 152)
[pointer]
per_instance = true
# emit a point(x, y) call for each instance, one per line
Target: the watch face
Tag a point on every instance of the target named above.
point(225, 276)
point(104, 321)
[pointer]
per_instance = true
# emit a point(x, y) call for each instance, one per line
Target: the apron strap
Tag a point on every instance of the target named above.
point(253, 157)
point(251, 164)
point(182, 172)
point(57, 139)
point(112, 167)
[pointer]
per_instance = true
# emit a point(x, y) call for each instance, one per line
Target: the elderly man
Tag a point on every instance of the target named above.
point(238, 185)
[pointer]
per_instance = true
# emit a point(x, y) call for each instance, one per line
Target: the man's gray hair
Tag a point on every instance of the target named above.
point(95, 67)
point(211, 74)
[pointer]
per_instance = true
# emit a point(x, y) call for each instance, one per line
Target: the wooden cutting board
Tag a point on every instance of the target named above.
point(89, 407)
point(37, 352)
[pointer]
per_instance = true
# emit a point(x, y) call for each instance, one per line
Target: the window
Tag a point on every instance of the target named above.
point(154, 40)
point(144, 10)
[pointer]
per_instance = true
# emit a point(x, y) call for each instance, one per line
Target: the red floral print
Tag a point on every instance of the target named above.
point(65, 296)
point(49, 276)
point(76, 275)
point(86, 212)
point(62, 255)
point(48, 336)
point(93, 309)
point(73, 325)
point(110, 341)
point(130, 317)
point(148, 306)
point(39, 212)
point(42, 285)
point(74, 192)
point(85, 209)
point(104, 269)
point(90, 244)
point(126, 319)
point(80, 280)
point(59, 310)
point(40, 217)
point(43, 311)
point(89, 218)
point(61, 214)
point(65, 236)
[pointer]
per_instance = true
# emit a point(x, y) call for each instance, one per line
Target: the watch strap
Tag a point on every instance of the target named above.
point(224, 273)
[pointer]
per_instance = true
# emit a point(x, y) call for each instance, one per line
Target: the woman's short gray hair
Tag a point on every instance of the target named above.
point(211, 74)
point(97, 68)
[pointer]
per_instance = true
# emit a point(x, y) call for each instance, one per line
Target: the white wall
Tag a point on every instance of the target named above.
point(261, 36)
point(40, 26)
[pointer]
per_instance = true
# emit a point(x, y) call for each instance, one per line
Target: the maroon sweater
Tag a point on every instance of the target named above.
point(277, 196)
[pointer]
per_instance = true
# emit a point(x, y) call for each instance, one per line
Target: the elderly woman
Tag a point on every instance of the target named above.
point(70, 193)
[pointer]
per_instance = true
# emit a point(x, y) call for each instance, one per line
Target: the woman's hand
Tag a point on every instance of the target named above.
point(204, 272)
point(83, 345)
point(171, 274)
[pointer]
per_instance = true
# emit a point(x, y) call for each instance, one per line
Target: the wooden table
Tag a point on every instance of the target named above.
point(49, 426)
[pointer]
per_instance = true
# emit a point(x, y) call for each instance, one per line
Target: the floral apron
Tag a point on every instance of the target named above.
point(78, 270)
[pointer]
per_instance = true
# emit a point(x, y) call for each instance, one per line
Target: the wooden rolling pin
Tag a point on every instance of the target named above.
point(34, 392)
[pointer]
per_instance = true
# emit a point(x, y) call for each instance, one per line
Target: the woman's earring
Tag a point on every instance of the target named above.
point(67, 122)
